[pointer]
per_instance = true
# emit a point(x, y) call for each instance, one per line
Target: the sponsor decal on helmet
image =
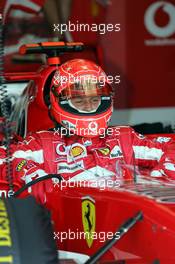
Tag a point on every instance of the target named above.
point(56, 79)
point(93, 126)
point(20, 165)
point(88, 218)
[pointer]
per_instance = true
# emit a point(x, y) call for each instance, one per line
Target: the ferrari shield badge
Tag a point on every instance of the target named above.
point(88, 218)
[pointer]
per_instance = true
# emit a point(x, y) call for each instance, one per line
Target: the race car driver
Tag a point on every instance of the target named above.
point(82, 146)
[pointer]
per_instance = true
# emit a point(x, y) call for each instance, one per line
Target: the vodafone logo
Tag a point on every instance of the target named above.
point(61, 149)
point(150, 23)
point(93, 126)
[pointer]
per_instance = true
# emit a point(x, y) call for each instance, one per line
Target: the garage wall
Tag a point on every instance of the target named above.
point(143, 52)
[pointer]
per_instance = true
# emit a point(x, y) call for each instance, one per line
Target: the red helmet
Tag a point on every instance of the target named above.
point(86, 81)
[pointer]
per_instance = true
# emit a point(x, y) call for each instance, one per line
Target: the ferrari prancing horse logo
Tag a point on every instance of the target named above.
point(88, 218)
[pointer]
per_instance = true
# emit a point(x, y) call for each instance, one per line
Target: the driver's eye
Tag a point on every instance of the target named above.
point(95, 99)
point(78, 101)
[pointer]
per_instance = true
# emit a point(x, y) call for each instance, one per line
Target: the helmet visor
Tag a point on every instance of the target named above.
point(86, 87)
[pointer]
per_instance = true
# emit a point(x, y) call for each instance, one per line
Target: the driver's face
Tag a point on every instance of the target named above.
point(86, 103)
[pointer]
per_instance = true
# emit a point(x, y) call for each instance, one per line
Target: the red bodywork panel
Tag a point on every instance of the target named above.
point(144, 243)
point(151, 239)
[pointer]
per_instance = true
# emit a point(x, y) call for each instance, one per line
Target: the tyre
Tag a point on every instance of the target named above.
point(26, 235)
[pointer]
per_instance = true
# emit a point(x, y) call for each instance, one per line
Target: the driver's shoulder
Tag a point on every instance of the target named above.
point(41, 135)
point(47, 134)
point(119, 129)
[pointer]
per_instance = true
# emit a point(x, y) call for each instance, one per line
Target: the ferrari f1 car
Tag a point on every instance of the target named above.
point(127, 223)
point(104, 221)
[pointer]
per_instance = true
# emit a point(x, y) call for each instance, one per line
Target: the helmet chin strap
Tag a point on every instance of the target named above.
point(81, 111)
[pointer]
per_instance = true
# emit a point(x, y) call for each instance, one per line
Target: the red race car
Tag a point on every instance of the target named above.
point(111, 220)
